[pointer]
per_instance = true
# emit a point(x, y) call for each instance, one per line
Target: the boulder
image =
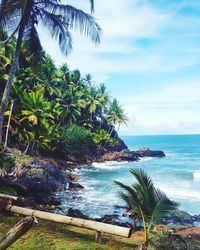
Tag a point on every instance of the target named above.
point(180, 218)
point(42, 177)
point(37, 182)
point(146, 152)
point(76, 213)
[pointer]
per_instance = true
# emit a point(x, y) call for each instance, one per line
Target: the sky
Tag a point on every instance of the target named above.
point(149, 59)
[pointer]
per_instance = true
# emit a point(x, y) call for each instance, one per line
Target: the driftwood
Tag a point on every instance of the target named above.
point(16, 232)
point(99, 227)
point(89, 224)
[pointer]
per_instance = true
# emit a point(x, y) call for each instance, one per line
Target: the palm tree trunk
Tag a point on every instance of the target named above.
point(7, 90)
point(8, 125)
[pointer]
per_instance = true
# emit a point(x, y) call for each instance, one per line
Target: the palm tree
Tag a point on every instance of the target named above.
point(22, 16)
point(92, 102)
point(148, 202)
point(70, 105)
point(36, 117)
point(116, 116)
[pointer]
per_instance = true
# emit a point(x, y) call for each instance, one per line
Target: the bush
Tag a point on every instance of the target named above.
point(102, 139)
point(7, 164)
point(76, 141)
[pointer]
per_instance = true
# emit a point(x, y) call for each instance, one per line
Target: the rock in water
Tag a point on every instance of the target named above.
point(76, 213)
point(146, 152)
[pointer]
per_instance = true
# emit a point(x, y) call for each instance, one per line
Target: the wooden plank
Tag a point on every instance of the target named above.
point(97, 226)
point(8, 196)
point(16, 232)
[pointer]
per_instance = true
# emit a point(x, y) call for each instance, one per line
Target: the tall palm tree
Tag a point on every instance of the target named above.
point(148, 202)
point(116, 115)
point(22, 16)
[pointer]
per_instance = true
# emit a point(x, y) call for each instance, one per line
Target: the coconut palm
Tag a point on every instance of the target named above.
point(22, 16)
point(116, 115)
point(148, 202)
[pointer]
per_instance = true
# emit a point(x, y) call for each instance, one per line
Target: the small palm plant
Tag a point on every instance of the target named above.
point(148, 202)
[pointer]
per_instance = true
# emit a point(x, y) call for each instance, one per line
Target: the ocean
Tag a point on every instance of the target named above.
point(177, 174)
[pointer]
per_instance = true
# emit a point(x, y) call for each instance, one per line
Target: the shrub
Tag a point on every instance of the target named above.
point(101, 138)
point(7, 164)
point(75, 140)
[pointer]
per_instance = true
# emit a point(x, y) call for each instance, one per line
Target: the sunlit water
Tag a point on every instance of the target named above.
point(177, 174)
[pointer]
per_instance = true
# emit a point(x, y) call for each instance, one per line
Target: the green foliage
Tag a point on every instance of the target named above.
point(102, 138)
point(24, 159)
point(7, 164)
point(49, 99)
point(148, 202)
point(8, 190)
point(75, 140)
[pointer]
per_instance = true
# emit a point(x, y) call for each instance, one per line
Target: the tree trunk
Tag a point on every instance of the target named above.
point(8, 126)
point(16, 232)
point(7, 90)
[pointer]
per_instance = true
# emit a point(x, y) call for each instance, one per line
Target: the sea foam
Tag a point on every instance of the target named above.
point(196, 175)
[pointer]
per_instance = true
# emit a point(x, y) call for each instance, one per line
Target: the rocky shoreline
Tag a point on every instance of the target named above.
point(37, 182)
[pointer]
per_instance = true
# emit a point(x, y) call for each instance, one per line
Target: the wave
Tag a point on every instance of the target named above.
point(170, 154)
point(182, 193)
point(196, 175)
point(109, 165)
point(145, 159)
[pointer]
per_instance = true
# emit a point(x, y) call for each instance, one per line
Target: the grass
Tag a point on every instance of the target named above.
point(51, 236)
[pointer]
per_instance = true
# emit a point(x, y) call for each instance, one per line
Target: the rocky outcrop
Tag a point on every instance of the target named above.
point(180, 218)
point(77, 214)
point(127, 155)
point(38, 181)
point(146, 152)
point(119, 146)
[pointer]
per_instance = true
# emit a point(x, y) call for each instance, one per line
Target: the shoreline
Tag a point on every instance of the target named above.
point(43, 177)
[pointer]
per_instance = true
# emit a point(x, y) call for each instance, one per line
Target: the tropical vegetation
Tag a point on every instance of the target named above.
point(56, 110)
point(21, 18)
point(147, 202)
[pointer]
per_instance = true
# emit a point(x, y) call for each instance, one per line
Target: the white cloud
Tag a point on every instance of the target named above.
point(167, 110)
point(144, 38)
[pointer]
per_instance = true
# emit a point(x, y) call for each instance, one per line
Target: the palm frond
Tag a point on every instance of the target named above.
point(10, 13)
point(58, 27)
point(31, 38)
point(77, 20)
point(164, 205)
point(135, 196)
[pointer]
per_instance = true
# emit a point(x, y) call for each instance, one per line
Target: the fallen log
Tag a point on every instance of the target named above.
point(6, 196)
point(88, 224)
point(16, 232)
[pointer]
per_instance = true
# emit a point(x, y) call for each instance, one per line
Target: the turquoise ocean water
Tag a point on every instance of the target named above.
point(177, 174)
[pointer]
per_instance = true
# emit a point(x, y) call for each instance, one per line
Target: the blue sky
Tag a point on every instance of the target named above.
point(149, 58)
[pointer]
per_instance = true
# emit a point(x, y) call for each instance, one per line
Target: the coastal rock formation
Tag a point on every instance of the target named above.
point(127, 155)
point(146, 152)
point(38, 181)
point(119, 146)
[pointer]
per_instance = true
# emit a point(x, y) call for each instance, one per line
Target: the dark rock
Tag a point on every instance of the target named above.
point(119, 146)
point(129, 156)
point(179, 218)
point(72, 177)
point(38, 182)
point(75, 186)
point(146, 152)
point(110, 219)
point(76, 213)
point(42, 177)
point(24, 202)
